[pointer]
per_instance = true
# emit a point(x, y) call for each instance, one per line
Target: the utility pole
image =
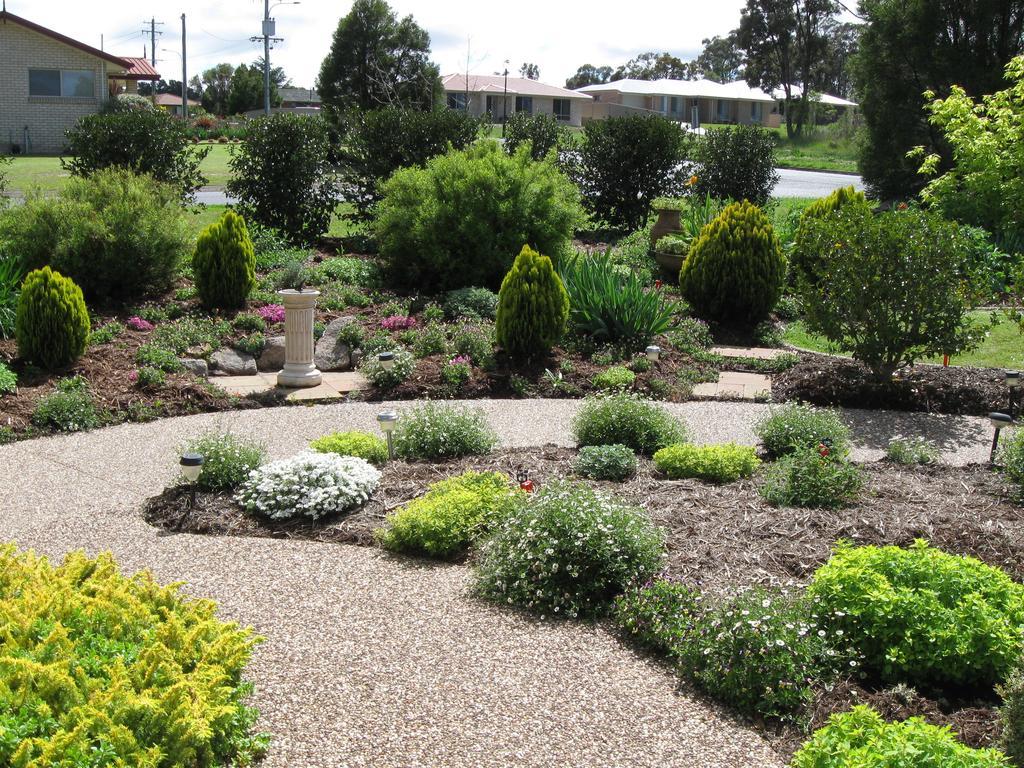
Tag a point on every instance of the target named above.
point(269, 30)
point(184, 73)
point(152, 32)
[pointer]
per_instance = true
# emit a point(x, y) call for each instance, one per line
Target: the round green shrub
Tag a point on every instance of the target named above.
point(813, 478)
point(376, 374)
point(628, 420)
point(861, 737)
point(450, 515)
point(532, 306)
point(910, 451)
point(735, 270)
point(460, 220)
point(921, 616)
point(227, 460)
point(434, 431)
point(361, 444)
point(716, 463)
point(52, 323)
point(70, 408)
point(474, 303)
point(606, 462)
point(568, 552)
point(804, 256)
point(1011, 457)
point(615, 378)
point(112, 670)
point(117, 235)
point(796, 426)
point(224, 263)
point(1011, 714)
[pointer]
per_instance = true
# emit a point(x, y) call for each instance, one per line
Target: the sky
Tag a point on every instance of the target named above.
point(557, 35)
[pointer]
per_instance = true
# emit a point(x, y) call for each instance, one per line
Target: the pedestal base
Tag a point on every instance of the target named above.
point(298, 376)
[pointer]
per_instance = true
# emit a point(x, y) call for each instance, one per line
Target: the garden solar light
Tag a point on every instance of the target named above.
point(387, 362)
point(387, 421)
point(999, 422)
point(1013, 379)
point(653, 353)
point(191, 465)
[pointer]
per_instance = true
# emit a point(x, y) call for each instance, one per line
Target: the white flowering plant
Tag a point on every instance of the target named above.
point(762, 651)
point(568, 552)
point(435, 431)
point(309, 485)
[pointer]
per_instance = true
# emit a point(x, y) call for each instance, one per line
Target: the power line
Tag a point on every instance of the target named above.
point(153, 32)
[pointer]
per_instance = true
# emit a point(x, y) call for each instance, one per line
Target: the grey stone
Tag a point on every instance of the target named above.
point(331, 353)
point(272, 358)
point(230, 362)
point(195, 366)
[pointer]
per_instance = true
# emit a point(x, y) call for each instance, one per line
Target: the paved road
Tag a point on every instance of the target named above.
point(791, 184)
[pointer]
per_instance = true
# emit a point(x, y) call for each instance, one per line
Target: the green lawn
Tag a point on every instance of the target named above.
point(46, 174)
point(340, 227)
point(1003, 347)
point(823, 149)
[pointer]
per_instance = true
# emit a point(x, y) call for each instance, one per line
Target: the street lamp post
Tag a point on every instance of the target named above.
point(504, 99)
point(269, 30)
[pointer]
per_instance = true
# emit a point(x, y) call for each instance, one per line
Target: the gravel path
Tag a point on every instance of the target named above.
point(374, 660)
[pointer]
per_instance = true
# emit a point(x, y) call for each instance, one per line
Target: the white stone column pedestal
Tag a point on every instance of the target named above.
point(299, 370)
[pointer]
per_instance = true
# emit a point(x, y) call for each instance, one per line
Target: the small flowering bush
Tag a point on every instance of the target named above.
point(434, 431)
point(792, 427)
point(615, 378)
point(861, 737)
point(155, 356)
point(148, 377)
point(272, 314)
point(430, 340)
point(362, 444)
point(376, 374)
point(716, 463)
point(915, 450)
point(456, 371)
point(309, 485)
point(761, 651)
point(628, 420)
point(398, 323)
point(816, 478)
point(922, 616)
point(1011, 458)
point(568, 552)
point(136, 323)
point(69, 408)
point(606, 462)
point(227, 459)
point(450, 515)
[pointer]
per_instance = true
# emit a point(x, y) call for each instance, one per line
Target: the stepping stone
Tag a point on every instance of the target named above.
point(335, 386)
point(761, 353)
point(746, 386)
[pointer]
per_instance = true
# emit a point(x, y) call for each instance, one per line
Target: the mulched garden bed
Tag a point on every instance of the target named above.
point(827, 380)
point(721, 537)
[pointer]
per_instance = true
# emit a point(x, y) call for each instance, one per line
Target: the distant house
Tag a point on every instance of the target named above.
point(171, 102)
point(689, 101)
point(298, 98)
point(49, 81)
point(481, 95)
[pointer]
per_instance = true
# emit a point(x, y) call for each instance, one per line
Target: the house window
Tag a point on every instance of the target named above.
point(69, 83)
point(673, 105)
point(561, 109)
point(457, 101)
point(524, 104)
point(756, 112)
point(723, 111)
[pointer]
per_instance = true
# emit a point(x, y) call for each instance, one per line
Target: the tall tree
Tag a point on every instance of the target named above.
point(721, 60)
point(246, 91)
point(910, 46)
point(653, 66)
point(216, 85)
point(530, 71)
point(786, 46)
point(588, 74)
point(377, 60)
point(843, 41)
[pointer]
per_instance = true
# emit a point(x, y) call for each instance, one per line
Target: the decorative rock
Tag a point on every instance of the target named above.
point(272, 358)
point(195, 366)
point(230, 362)
point(331, 354)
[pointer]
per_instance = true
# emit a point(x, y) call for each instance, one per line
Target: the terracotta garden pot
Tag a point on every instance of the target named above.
point(668, 221)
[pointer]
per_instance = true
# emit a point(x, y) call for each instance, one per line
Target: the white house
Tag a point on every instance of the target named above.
point(491, 94)
point(683, 100)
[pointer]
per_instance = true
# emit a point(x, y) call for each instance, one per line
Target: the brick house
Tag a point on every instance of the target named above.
point(491, 95)
point(49, 81)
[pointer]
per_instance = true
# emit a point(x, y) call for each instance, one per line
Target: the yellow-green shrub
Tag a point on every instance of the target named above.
point(52, 323)
point(225, 263)
point(735, 269)
point(804, 255)
point(716, 463)
point(445, 520)
point(93, 663)
point(361, 444)
point(532, 306)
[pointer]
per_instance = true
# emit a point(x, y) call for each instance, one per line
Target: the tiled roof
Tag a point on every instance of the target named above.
point(706, 89)
point(140, 69)
point(7, 16)
point(518, 86)
point(172, 100)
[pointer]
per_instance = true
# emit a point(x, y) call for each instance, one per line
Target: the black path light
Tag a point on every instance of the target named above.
point(1000, 421)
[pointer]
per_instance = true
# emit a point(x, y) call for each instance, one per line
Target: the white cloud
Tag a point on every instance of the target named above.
point(557, 36)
